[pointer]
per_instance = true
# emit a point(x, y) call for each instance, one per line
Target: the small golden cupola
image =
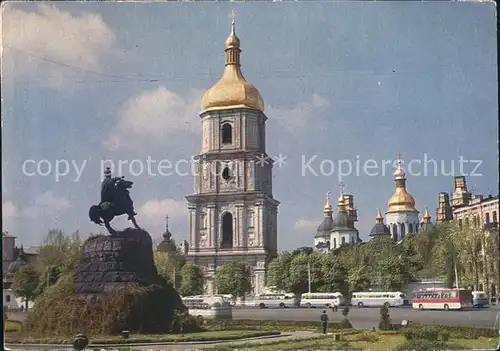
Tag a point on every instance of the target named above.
point(232, 90)
point(427, 216)
point(328, 210)
point(401, 200)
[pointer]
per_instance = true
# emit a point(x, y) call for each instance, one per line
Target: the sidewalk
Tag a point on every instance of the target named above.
point(188, 345)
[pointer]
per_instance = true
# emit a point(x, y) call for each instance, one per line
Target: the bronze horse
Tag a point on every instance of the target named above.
point(121, 204)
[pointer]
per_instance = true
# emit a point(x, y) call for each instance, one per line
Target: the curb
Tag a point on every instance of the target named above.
point(167, 343)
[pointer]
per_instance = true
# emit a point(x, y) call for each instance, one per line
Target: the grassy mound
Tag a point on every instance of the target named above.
point(60, 311)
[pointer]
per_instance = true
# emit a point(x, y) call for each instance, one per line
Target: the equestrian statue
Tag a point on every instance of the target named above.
point(115, 201)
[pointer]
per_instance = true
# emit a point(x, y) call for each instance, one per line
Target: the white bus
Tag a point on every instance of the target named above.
point(321, 300)
point(379, 298)
point(273, 300)
point(208, 307)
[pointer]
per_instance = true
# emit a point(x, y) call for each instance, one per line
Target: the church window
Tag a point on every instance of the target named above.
point(494, 216)
point(227, 133)
point(251, 219)
point(7, 298)
point(227, 231)
point(343, 240)
point(394, 232)
point(403, 230)
point(487, 218)
point(226, 174)
point(334, 243)
point(203, 220)
point(410, 228)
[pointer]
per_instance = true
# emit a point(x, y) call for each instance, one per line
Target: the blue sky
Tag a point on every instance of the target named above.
point(85, 82)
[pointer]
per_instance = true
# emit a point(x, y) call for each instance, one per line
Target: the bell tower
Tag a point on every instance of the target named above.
point(232, 213)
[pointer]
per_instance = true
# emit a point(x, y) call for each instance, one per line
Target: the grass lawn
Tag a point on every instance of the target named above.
point(12, 327)
point(360, 341)
point(143, 338)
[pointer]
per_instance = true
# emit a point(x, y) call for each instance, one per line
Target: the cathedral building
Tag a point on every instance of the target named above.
point(333, 233)
point(232, 213)
point(401, 216)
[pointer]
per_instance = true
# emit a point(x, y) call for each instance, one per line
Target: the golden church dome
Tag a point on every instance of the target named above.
point(232, 90)
point(401, 200)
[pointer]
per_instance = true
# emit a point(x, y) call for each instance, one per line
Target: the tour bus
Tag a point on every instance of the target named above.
point(479, 299)
point(442, 299)
point(379, 298)
point(321, 299)
point(273, 300)
point(208, 307)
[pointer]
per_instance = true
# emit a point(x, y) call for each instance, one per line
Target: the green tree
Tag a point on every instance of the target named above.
point(278, 272)
point(25, 283)
point(298, 275)
point(59, 250)
point(49, 278)
point(335, 275)
point(169, 266)
point(192, 281)
point(233, 278)
point(359, 278)
point(393, 273)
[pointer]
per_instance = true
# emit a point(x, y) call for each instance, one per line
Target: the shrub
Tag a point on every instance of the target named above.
point(183, 322)
point(385, 320)
point(429, 333)
point(60, 311)
point(460, 332)
point(367, 337)
point(423, 345)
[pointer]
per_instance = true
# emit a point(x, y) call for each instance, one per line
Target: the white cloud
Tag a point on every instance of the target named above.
point(295, 118)
point(44, 43)
point(155, 209)
point(9, 210)
point(157, 114)
point(306, 225)
point(46, 204)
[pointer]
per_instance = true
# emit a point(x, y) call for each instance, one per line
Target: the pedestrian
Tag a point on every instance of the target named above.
point(324, 321)
point(335, 307)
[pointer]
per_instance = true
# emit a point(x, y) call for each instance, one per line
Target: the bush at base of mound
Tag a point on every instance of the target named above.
point(149, 309)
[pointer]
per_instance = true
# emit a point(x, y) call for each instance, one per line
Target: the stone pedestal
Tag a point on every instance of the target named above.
point(114, 262)
point(115, 287)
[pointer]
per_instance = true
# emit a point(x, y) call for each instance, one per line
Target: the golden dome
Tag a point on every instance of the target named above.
point(401, 200)
point(232, 90)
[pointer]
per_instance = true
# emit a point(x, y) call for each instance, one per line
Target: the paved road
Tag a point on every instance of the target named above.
point(366, 318)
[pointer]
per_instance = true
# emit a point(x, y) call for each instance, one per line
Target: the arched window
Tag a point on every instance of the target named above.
point(410, 228)
point(227, 231)
point(487, 218)
point(394, 232)
point(403, 230)
point(227, 134)
point(226, 174)
point(494, 216)
point(334, 243)
point(343, 240)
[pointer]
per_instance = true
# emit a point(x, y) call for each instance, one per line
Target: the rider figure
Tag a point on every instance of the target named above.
point(108, 188)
